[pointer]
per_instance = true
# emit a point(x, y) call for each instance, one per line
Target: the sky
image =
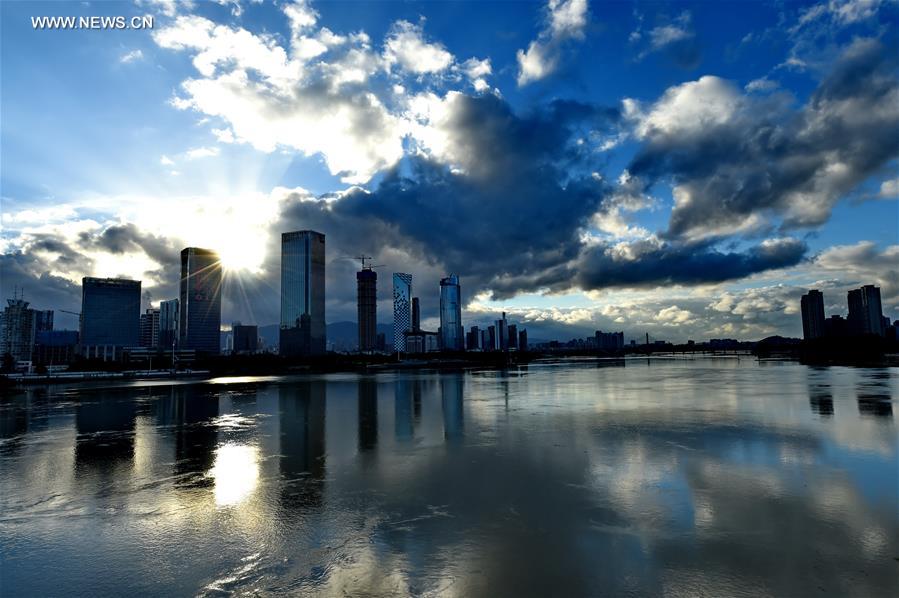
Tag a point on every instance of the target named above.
point(678, 169)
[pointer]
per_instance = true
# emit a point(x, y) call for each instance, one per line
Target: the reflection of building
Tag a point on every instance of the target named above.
point(451, 336)
point(168, 323)
point(812, 315)
point(188, 413)
point(149, 328)
point(402, 318)
point(201, 300)
point(865, 311)
point(367, 308)
point(368, 413)
point(451, 395)
point(302, 429)
point(245, 338)
point(403, 410)
point(110, 316)
point(302, 293)
point(105, 432)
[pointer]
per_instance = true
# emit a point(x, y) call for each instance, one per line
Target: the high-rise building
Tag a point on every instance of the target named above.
point(367, 308)
point(402, 318)
point(43, 320)
point(244, 338)
point(302, 293)
point(110, 316)
point(812, 304)
point(149, 329)
point(54, 347)
point(609, 341)
point(201, 300)
point(416, 315)
point(17, 330)
point(169, 316)
point(451, 333)
point(513, 336)
point(522, 340)
point(865, 311)
point(473, 339)
point(501, 338)
point(490, 345)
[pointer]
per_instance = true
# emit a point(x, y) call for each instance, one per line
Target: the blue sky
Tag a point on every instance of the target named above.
point(686, 169)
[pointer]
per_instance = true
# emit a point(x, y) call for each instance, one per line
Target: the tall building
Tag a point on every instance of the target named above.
point(244, 338)
point(367, 307)
point(865, 311)
point(201, 300)
point(169, 316)
point(473, 339)
point(302, 293)
point(452, 337)
point(416, 315)
point(43, 320)
point(17, 330)
point(110, 316)
point(501, 337)
point(513, 336)
point(402, 318)
point(812, 315)
point(522, 340)
point(149, 329)
point(609, 341)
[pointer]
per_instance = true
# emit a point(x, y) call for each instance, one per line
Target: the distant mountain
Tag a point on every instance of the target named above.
point(343, 336)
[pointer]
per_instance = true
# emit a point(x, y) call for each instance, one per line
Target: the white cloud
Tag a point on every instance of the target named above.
point(131, 56)
point(166, 161)
point(223, 135)
point(889, 189)
point(566, 20)
point(761, 84)
point(201, 152)
point(405, 46)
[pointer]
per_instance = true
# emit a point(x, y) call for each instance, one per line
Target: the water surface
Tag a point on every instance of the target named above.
point(718, 477)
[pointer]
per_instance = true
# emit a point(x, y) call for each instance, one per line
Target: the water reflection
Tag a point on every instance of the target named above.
point(677, 478)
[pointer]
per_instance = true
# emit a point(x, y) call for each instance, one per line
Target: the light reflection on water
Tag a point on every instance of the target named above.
point(716, 477)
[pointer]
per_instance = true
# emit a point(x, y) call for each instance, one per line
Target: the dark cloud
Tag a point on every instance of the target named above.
point(758, 159)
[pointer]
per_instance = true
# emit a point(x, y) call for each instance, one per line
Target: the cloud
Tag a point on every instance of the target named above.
point(405, 47)
point(201, 152)
point(131, 56)
point(675, 37)
point(738, 163)
point(865, 263)
point(565, 21)
point(889, 189)
point(166, 161)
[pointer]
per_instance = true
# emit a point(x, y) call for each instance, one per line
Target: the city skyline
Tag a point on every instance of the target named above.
point(555, 170)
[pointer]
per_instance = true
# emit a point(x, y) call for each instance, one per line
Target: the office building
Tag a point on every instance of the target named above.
point(416, 315)
point(168, 332)
point(473, 339)
point(402, 316)
point(522, 340)
point(149, 329)
point(513, 336)
point(201, 300)
point(812, 304)
point(244, 338)
point(43, 320)
point(451, 333)
point(302, 328)
point(110, 316)
point(490, 339)
point(367, 308)
point(54, 347)
point(865, 311)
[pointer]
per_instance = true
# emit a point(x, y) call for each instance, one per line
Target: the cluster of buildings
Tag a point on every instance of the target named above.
point(112, 327)
point(865, 316)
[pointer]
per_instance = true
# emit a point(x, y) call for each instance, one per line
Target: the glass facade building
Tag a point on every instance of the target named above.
point(201, 300)
point(302, 328)
point(110, 316)
point(168, 323)
point(452, 336)
point(402, 309)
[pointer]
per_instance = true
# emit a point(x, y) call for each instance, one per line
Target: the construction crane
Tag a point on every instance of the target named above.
point(364, 257)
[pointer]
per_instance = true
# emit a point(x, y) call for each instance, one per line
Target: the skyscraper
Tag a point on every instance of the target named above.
point(367, 307)
point(812, 315)
point(302, 293)
point(110, 316)
point(402, 319)
point(149, 328)
point(416, 315)
point(169, 317)
point(201, 300)
point(452, 337)
point(501, 337)
point(865, 311)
